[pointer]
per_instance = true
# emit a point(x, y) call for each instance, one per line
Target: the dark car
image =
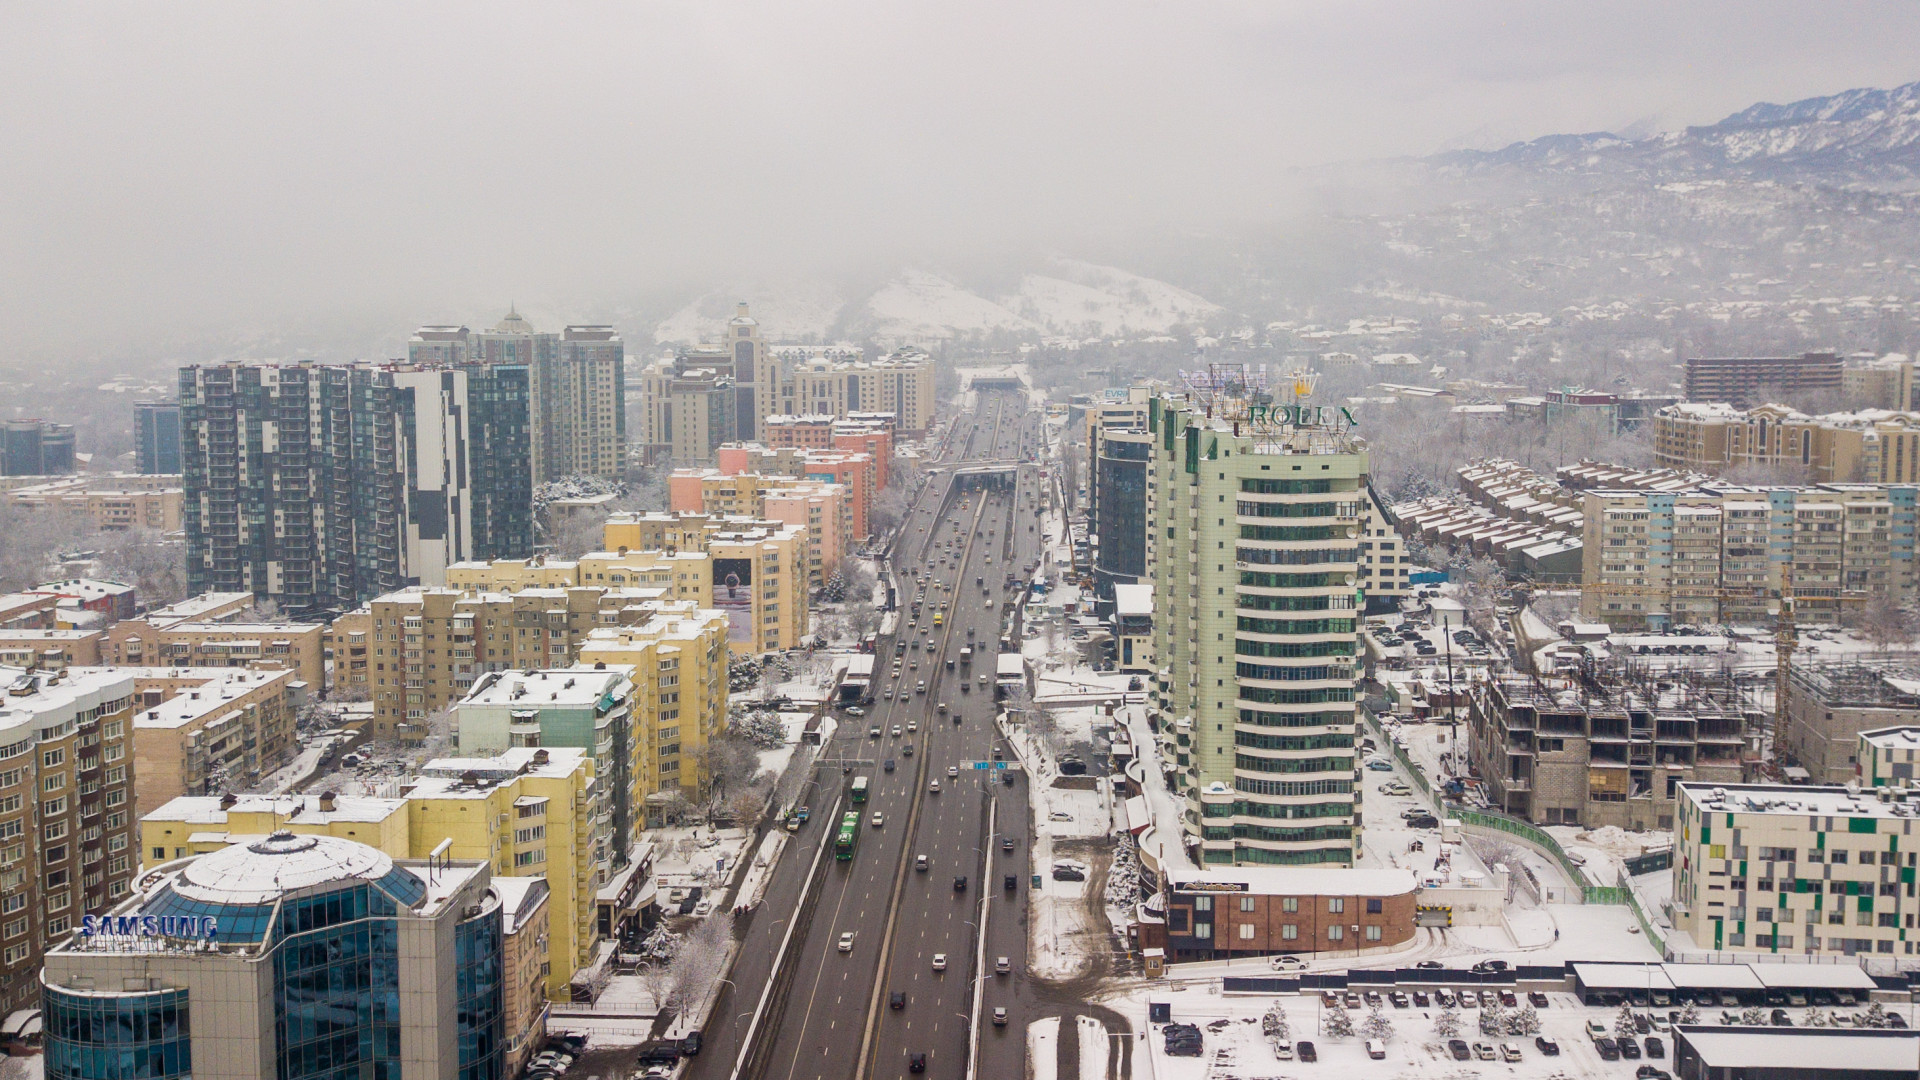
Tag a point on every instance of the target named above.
point(662, 1053)
point(917, 1063)
point(1487, 966)
point(1655, 1048)
point(1430, 965)
point(897, 1000)
point(1010, 882)
point(1305, 1051)
point(1642, 1023)
point(1423, 821)
point(1422, 999)
point(1507, 999)
point(1536, 999)
point(1458, 1048)
point(1779, 1018)
point(1006, 843)
point(1629, 1048)
point(690, 1043)
point(1067, 873)
point(1546, 1046)
point(1609, 1050)
point(960, 883)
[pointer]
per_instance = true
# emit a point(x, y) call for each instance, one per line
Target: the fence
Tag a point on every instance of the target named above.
point(1512, 826)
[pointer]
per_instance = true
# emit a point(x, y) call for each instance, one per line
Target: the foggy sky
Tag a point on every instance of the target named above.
point(168, 170)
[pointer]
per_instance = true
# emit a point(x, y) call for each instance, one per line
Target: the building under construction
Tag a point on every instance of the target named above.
point(1829, 705)
point(1608, 745)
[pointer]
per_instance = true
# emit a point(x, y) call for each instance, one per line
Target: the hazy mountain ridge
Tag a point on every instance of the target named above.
point(1863, 138)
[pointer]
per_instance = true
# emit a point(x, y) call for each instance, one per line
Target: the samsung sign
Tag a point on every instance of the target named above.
point(176, 926)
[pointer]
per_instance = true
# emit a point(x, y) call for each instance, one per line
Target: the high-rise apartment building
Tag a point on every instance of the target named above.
point(1253, 552)
point(689, 411)
point(1117, 506)
point(156, 437)
point(1718, 553)
point(66, 813)
point(35, 448)
point(577, 389)
point(1740, 380)
point(319, 487)
point(678, 659)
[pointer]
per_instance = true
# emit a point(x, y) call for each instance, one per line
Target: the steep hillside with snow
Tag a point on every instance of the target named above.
point(1088, 300)
point(920, 306)
point(787, 311)
point(1864, 138)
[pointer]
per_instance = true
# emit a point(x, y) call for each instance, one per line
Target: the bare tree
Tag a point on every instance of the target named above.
point(699, 964)
point(1886, 622)
point(146, 559)
point(888, 510)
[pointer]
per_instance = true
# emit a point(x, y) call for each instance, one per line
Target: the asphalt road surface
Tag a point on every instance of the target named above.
point(828, 1017)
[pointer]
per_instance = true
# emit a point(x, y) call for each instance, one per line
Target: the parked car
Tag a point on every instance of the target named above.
point(1283, 1050)
point(1546, 1046)
point(1422, 999)
point(1286, 962)
point(690, 1043)
point(1609, 1050)
point(1536, 999)
point(1487, 967)
point(1459, 1049)
point(1305, 1051)
point(1376, 1049)
point(1399, 999)
point(1509, 1052)
point(1655, 1048)
point(1629, 1048)
point(1484, 1052)
point(1430, 965)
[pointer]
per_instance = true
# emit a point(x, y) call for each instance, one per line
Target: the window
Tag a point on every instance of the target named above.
point(1203, 903)
point(1336, 905)
point(53, 758)
point(1246, 903)
point(1290, 904)
point(54, 783)
point(1246, 931)
point(1203, 929)
point(1290, 932)
point(1764, 914)
point(1374, 907)
point(1336, 933)
point(159, 854)
point(53, 807)
point(1373, 933)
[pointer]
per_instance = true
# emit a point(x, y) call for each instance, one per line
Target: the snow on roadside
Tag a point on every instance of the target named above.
point(1043, 1049)
point(1094, 1048)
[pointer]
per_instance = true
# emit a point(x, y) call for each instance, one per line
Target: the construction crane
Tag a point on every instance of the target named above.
point(1785, 637)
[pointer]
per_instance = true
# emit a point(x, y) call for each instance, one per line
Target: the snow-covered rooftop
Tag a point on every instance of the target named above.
point(1779, 1052)
point(1296, 880)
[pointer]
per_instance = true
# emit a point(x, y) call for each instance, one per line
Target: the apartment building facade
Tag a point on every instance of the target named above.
point(163, 640)
point(678, 659)
point(576, 393)
point(66, 813)
point(156, 437)
point(1253, 549)
point(207, 732)
point(1739, 380)
point(1875, 446)
point(1831, 705)
point(1721, 553)
point(825, 510)
point(319, 487)
point(1805, 870)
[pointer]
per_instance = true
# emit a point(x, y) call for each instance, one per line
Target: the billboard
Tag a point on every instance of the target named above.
point(733, 594)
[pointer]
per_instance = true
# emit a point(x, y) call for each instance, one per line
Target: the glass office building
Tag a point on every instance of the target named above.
point(294, 957)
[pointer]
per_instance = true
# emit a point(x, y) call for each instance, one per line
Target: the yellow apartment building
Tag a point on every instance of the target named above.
point(679, 661)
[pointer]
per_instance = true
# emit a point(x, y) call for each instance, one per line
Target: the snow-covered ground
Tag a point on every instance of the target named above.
point(1061, 934)
point(1043, 1048)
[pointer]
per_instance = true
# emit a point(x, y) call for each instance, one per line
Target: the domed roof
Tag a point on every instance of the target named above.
point(260, 872)
point(513, 323)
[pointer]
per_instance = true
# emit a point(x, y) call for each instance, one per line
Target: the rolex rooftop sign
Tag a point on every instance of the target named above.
point(173, 926)
point(1272, 417)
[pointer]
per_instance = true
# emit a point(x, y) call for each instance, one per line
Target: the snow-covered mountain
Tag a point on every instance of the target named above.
point(1867, 138)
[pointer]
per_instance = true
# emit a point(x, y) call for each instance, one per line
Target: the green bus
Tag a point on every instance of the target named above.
point(849, 836)
point(859, 790)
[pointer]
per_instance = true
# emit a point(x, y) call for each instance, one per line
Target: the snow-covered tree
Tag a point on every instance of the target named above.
point(1689, 1014)
point(1814, 1018)
point(1446, 1022)
point(1376, 1025)
point(1876, 1015)
point(1335, 1023)
point(1753, 1014)
point(1274, 1024)
point(1523, 1021)
point(1493, 1019)
point(1623, 1026)
point(761, 729)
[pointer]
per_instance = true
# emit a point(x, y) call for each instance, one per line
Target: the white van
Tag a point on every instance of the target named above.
point(1376, 1049)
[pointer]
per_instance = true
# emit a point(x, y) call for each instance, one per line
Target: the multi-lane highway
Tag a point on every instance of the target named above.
point(831, 1012)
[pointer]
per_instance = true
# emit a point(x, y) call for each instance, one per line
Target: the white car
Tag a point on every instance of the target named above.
point(953, 771)
point(1289, 963)
point(913, 725)
point(939, 961)
point(934, 785)
point(896, 731)
point(846, 941)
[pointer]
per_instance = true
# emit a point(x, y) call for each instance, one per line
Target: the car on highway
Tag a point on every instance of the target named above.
point(1002, 966)
point(939, 961)
point(873, 732)
point(921, 688)
point(913, 726)
point(1010, 882)
point(953, 771)
point(897, 1000)
point(855, 710)
point(933, 785)
point(846, 941)
point(879, 819)
point(999, 1016)
point(1006, 843)
point(896, 731)
point(907, 750)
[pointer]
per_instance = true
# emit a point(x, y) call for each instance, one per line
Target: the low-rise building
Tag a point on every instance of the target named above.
point(348, 653)
point(272, 957)
point(1815, 871)
point(1829, 708)
point(525, 919)
point(111, 600)
point(197, 824)
point(1133, 628)
point(215, 630)
point(50, 649)
point(1228, 912)
point(1890, 756)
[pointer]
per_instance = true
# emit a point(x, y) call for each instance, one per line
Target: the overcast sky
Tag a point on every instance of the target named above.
point(169, 169)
